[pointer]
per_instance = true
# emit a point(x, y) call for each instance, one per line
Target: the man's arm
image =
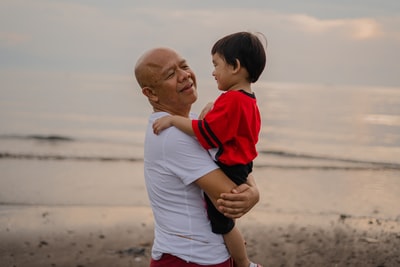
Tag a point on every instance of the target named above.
point(234, 201)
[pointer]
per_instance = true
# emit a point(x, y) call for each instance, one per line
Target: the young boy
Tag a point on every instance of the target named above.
point(229, 129)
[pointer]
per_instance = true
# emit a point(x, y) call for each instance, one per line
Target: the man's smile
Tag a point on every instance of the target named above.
point(187, 87)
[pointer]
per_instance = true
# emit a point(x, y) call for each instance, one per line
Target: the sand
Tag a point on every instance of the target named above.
point(304, 218)
point(122, 236)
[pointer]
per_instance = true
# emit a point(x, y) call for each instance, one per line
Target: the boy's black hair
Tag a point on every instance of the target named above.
point(245, 47)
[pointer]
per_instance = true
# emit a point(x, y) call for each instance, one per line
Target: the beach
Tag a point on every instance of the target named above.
point(73, 122)
point(122, 236)
point(106, 220)
point(72, 190)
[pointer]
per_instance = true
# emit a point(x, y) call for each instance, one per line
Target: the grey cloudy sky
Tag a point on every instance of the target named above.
point(331, 42)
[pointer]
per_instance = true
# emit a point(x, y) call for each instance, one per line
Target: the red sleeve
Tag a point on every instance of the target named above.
point(221, 123)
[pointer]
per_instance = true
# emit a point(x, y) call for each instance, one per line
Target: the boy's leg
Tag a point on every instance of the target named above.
point(236, 247)
point(219, 223)
point(232, 236)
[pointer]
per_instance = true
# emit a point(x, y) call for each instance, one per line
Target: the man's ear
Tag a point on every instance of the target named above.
point(150, 93)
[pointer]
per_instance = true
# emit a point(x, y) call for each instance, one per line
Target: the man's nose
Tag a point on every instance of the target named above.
point(184, 75)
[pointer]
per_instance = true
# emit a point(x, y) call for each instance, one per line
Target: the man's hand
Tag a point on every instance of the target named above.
point(205, 110)
point(241, 200)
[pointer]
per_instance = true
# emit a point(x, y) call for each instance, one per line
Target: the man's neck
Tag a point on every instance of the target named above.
point(183, 113)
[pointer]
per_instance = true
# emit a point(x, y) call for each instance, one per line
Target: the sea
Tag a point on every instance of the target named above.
point(343, 136)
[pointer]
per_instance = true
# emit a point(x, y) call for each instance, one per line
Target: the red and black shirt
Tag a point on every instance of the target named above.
point(232, 126)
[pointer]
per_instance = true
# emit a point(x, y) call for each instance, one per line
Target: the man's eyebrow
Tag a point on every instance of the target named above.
point(167, 69)
point(173, 66)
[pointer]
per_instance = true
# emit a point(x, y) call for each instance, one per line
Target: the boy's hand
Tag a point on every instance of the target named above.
point(162, 124)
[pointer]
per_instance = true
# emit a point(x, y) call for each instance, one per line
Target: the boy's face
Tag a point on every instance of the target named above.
point(223, 72)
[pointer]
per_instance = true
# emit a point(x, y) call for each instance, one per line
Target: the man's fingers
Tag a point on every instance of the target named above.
point(231, 212)
point(240, 189)
point(232, 197)
point(229, 203)
point(233, 205)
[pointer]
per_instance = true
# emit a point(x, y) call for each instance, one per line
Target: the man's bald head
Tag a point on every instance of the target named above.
point(149, 66)
point(166, 80)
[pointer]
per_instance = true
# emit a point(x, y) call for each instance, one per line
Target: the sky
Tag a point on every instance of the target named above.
point(324, 42)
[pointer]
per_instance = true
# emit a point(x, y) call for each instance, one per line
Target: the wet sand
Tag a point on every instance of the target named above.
point(105, 220)
point(122, 236)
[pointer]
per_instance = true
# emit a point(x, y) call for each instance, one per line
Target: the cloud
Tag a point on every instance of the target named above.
point(366, 29)
point(109, 37)
point(220, 20)
point(13, 38)
point(357, 29)
point(391, 27)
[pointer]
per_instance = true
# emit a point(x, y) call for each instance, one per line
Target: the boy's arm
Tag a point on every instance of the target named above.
point(182, 123)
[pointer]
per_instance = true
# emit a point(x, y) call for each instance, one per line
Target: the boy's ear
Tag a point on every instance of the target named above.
point(150, 93)
point(238, 66)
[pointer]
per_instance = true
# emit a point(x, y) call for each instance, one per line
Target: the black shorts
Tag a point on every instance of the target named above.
point(238, 174)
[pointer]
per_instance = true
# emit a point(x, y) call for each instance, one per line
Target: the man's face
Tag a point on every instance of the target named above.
point(174, 83)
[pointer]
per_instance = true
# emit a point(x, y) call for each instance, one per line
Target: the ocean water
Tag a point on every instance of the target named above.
point(88, 116)
point(350, 130)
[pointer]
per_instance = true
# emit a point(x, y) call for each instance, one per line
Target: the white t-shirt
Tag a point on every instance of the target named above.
point(172, 162)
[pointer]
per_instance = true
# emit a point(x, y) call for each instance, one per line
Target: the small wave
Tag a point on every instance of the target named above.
point(382, 119)
point(54, 138)
point(326, 167)
point(28, 156)
point(376, 164)
point(51, 138)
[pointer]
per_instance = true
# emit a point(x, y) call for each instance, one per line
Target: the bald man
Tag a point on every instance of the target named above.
point(178, 170)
